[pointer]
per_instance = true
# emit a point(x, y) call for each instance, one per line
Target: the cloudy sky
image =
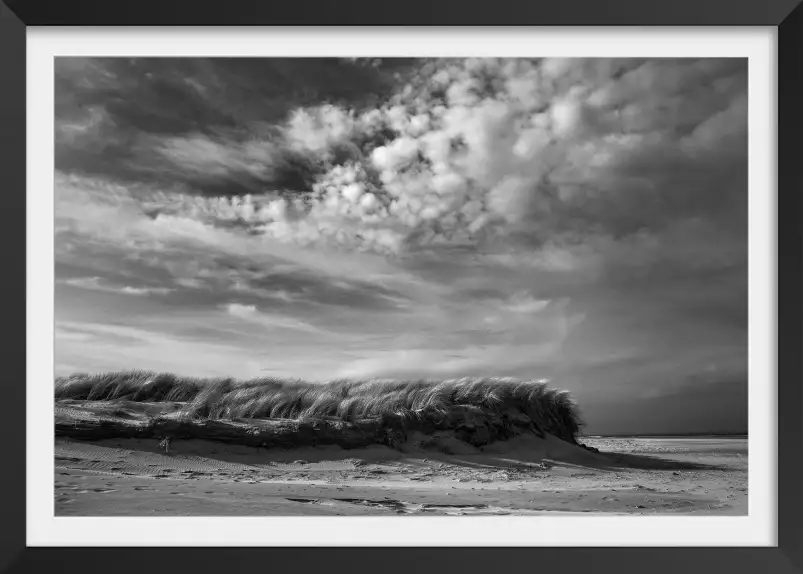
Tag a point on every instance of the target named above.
point(582, 221)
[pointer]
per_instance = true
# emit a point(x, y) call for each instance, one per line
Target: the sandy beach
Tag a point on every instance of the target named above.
point(524, 476)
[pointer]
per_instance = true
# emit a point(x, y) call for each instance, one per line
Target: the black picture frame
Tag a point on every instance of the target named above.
point(787, 15)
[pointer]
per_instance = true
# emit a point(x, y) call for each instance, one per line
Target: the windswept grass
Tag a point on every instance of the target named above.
point(549, 410)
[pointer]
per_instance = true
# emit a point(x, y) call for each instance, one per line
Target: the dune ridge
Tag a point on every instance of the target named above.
point(270, 411)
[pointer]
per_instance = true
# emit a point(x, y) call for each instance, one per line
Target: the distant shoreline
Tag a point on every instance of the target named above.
point(706, 435)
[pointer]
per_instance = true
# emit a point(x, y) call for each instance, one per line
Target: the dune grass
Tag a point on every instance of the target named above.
point(549, 409)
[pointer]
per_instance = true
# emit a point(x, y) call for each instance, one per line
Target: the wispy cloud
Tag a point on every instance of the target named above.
point(104, 346)
point(98, 284)
point(271, 321)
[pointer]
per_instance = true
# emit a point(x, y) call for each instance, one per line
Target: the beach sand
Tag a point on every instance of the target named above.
point(523, 476)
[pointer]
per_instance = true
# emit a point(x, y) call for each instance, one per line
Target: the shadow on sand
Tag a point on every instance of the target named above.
point(643, 462)
point(531, 460)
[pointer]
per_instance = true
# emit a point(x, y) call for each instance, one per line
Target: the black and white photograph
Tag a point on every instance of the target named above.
point(293, 286)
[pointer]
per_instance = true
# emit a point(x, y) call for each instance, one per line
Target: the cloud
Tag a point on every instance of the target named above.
point(523, 302)
point(208, 157)
point(99, 284)
point(139, 118)
point(128, 290)
point(139, 217)
point(251, 314)
point(548, 149)
point(89, 346)
point(242, 311)
point(471, 361)
point(494, 159)
point(319, 129)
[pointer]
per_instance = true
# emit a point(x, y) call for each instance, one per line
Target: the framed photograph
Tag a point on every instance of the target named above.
point(320, 284)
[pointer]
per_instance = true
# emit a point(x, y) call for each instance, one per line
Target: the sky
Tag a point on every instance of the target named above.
point(580, 221)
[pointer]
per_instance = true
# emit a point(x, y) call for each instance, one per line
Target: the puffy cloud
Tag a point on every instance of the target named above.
point(243, 311)
point(511, 144)
point(319, 129)
point(491, 145)
point(397, 154)
point(484, 148)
